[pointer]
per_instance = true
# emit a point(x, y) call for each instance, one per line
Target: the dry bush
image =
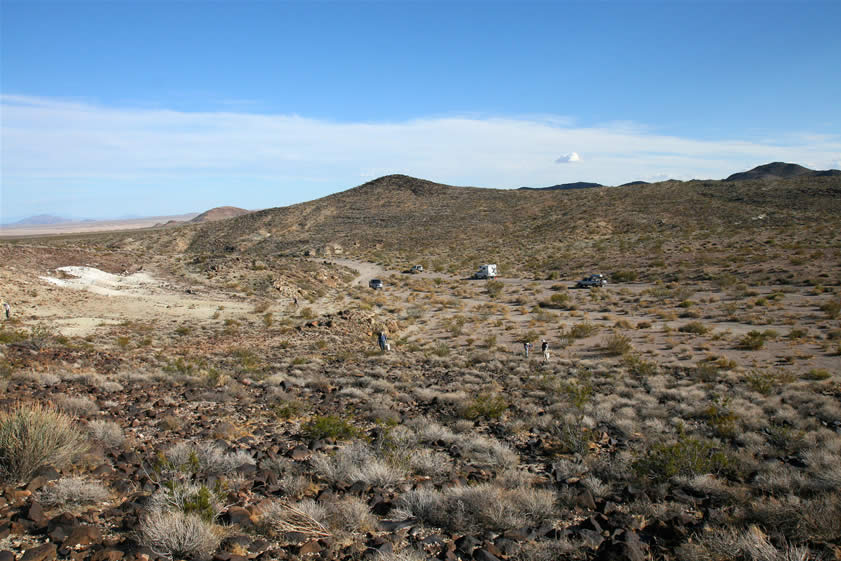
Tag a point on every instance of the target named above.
point(33, 436)
point(109, 433)
point(174, 534)
point(617, 344)
point(207, 458)
point(357, 462)
point(350, 514)
point(480, 507)
point(490, 452)
point(429, 462)
point(73, 491)
point(81, 405)
point(751, 544)
point(305, 517)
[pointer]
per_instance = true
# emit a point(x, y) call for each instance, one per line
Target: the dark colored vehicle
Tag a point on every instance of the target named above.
point(592, 281)
point(376, 284)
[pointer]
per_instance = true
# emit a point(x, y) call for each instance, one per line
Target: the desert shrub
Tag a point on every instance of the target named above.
point(330, 426)
point(817, 374)
point(623, 276)
point(617, 344)
point(189, 498)
point(205, 458)
point(751, 544)
point(695, 327)
point(441, 350)
point(429, 462)
point(350, 514)
point(494, 288)
point(752, 341)
point(638, 366)
point(483, 506)
point(33, 436)
point(724, 422)
point(108, 433)
point(572, 437)
point(582, 330)
point(832, 308)
point(177, 535)
point(305, 517)
point(687, 456)
point(357, 462)
point(80, 405)
point(490, 452)
point(558, 301)
point(486, 406)
point(762, 382)
point(287, 409)
point(73, 491)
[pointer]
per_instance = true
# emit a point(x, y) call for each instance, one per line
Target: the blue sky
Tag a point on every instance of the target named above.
point(152, 108)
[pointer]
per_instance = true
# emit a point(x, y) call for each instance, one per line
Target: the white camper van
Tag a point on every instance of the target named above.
point(485, 272)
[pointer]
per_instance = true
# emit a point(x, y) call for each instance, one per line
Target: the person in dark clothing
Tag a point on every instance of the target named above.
point(383, 341)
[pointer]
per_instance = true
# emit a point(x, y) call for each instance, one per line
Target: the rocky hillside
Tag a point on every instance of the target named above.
point(219, 213)
point(402, 220)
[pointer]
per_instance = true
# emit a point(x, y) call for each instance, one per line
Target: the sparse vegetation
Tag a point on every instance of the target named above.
point(33, 436)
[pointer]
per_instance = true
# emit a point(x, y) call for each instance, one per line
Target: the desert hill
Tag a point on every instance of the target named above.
point(219, 213)
point(399, 219)
point(781, 170)
point(564, 186)
point(41, 219)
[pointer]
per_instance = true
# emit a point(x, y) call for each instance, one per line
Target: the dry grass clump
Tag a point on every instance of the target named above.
point(74, 491)
point(80, 405)
point(206, 457)
point(483, 506)
point(109, 433)
point(305, 517)
point(176, 535)
point(357, 462)
point(751, 544)
point(33, 436)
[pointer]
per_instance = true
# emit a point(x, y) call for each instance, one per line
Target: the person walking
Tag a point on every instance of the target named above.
point(7, 309)
point(383, 341)
point(526, 347)
point(544, 347)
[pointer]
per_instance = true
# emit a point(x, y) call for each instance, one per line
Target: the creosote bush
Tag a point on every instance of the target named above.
point(330, 426)
point(617, 344)
point(688, 456)
point(33, 436)
point(485, 406)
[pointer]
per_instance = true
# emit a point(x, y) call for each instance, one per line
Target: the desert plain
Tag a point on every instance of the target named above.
point(215, 390)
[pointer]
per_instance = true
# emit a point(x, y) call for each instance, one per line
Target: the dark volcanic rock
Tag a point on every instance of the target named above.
point(46, 552)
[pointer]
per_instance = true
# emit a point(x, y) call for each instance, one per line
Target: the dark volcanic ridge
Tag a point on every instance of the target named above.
point(781, 170)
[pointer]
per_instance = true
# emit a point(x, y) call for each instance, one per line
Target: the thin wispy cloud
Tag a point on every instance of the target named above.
point(51, 147)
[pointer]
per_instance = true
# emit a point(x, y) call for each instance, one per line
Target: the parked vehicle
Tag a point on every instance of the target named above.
point(376, 284)
point(416, 269)
point(486, 272)
point(594, 280)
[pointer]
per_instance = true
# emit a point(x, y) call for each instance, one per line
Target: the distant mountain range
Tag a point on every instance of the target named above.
point(774, 170)
point(564, 186)
point(41, 220)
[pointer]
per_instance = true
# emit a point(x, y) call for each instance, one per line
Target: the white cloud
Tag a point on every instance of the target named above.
point(54, 150)
point(568, 158)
